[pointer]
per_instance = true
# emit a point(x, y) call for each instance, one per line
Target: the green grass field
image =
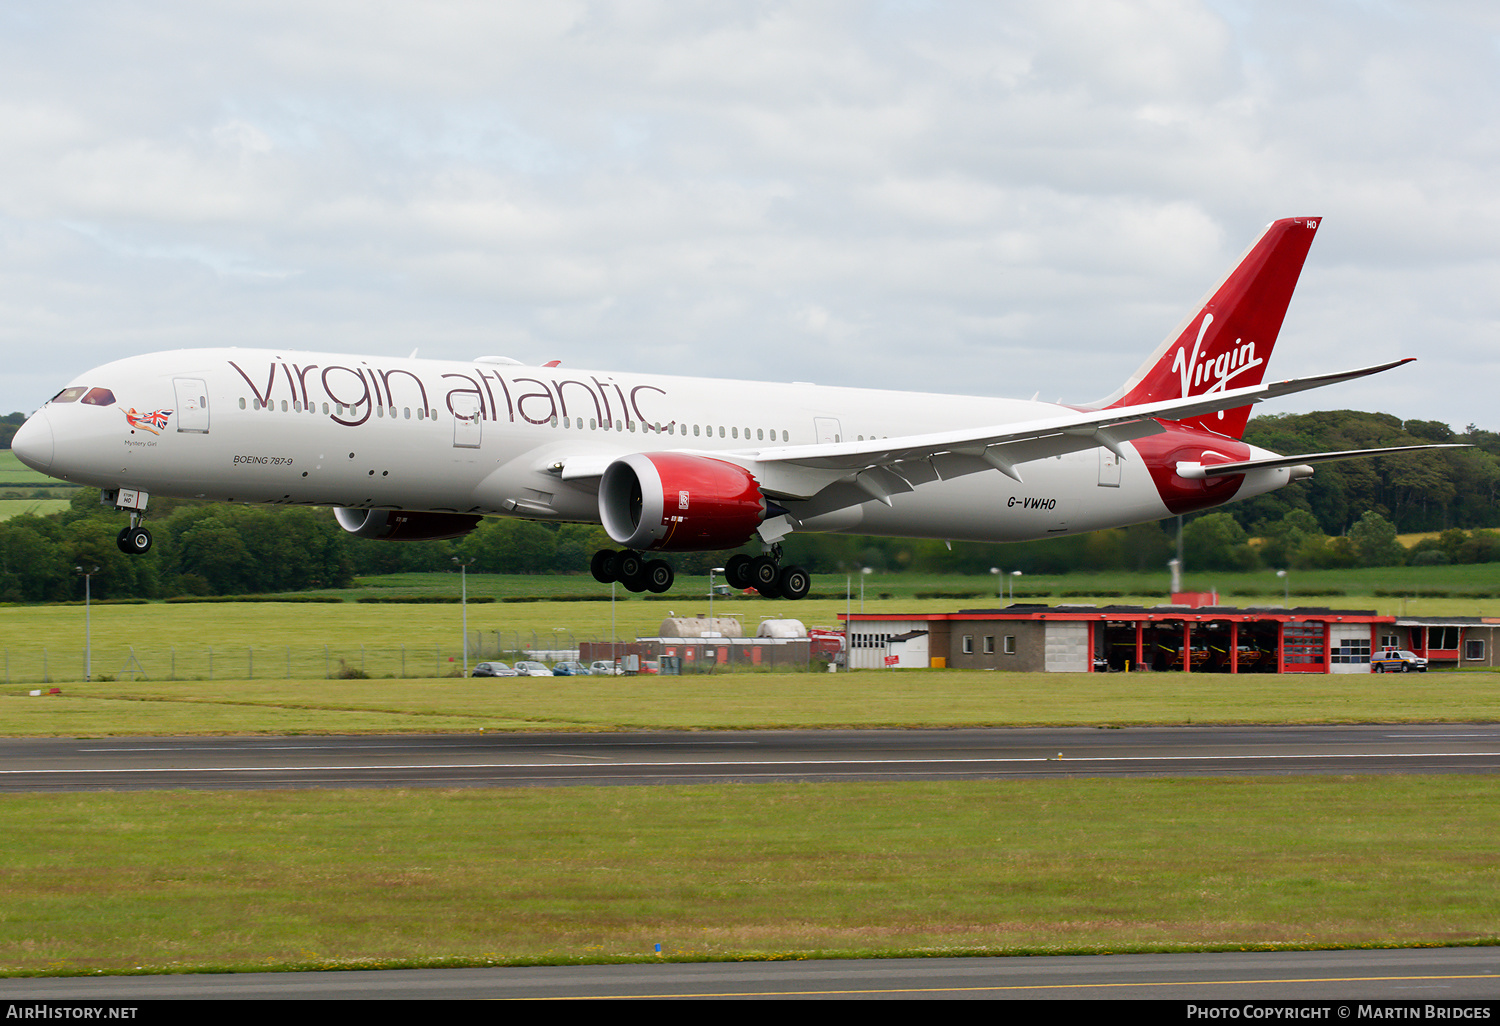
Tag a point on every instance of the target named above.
point(14, 474)
point(870, 699)
point(179, 880)
point(1366, 587)
point(238, 640)
point(41, 507)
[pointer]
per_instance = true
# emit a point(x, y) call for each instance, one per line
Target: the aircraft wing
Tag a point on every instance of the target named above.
point(824, 477)
point(884, 466)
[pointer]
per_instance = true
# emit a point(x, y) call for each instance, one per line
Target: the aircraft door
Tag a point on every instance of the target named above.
point(468, 421)
point(192, 405)
point(827, 429)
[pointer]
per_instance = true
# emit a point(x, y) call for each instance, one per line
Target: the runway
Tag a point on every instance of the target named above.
point(1407, 978)
point(654, 758)
point(645, 758)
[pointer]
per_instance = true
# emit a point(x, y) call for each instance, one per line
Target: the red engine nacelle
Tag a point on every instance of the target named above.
point(670, 501)
point(1188, 443)
point(399, 525)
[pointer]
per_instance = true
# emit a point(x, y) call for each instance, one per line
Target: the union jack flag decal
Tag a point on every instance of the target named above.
point(154, 422)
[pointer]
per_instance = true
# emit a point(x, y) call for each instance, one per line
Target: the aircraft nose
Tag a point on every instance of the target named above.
point(32, 443)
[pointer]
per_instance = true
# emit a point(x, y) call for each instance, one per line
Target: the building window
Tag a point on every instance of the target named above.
point(1474, 648)
point(1010, 644)
point(968, 644)
point(989, 644)
point(1351, 651)
point(1389, 641)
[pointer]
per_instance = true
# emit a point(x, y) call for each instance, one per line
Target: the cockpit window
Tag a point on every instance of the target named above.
point(69, 395)
point(99, 397)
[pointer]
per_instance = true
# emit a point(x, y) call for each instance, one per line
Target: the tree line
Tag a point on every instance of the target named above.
point(1347, 514)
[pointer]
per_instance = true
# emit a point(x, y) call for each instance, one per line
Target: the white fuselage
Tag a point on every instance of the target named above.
point(488, 437)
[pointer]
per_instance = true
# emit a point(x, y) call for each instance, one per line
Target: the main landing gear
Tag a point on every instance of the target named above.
point(632, 570)
point(766, 575)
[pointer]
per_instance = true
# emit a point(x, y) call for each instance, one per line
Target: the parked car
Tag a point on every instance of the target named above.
point(605, 668)
point(569, 668)
point(532, 668)
point(1397, 660)
point(492, 670)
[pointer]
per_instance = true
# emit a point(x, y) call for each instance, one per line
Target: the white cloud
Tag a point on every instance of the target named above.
point(996, 197)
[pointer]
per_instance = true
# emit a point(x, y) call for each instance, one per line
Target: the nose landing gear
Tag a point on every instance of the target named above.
point(134, 540)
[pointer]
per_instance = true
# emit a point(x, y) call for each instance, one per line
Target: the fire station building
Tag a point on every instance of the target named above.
point(1212, 639)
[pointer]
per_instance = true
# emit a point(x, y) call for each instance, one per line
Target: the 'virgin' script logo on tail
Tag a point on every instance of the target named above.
point(1219, 368)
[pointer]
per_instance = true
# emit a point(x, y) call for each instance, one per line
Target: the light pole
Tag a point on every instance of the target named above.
point(1013, 575)
point(463, 603)
point(1286, 589)
point(999, 583)
point(88, 648)
point(711, 571)
point(864, 572)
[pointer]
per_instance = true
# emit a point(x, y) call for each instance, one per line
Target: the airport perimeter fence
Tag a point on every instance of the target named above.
point(262, 662)
point(56, 665)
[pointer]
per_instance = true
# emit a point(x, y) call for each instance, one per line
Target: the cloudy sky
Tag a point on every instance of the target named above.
point(988, 197)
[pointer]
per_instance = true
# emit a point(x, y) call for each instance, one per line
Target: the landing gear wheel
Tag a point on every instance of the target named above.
point(134, 541)
point(763, 574)
point(794, 583)
point(602, 566)
point(628, 565)
point(737, 572)
point(659, 576)
point(630, 568)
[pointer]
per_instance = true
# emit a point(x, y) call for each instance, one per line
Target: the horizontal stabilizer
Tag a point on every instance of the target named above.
point(1199, 471)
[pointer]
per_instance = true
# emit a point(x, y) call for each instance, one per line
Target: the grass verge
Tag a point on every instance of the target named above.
point(872, 699)
point(177, 881)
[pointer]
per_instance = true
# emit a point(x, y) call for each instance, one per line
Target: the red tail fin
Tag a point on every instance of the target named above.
point(1228, 339)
